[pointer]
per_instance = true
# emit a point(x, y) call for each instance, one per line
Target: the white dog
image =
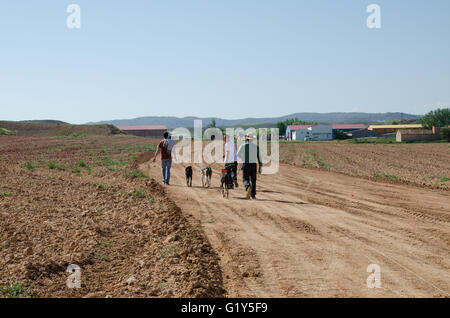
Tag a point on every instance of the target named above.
point(206, 174)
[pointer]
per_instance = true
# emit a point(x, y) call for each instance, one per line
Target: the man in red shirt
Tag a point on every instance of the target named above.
point(165, 147)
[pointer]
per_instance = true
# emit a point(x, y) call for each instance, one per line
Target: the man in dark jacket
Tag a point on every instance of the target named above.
point(250, 157)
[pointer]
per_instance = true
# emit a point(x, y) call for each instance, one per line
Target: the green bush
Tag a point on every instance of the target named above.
point(76, 170)
point(81, 164)
point(135, 174)
point(436, 118)
point(114, 130)
point(138, 193)
point(16, 290)
point(54, 166)
point(445, 133)
point(104, 257)
point(7, 132)
point(30, 166)
point(323, 164)
point(108, 162)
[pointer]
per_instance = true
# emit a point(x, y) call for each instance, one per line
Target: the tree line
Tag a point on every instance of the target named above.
point(438, 118)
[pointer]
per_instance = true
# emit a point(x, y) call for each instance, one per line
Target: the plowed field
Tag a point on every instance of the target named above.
point(71, 200)
point(420, 164)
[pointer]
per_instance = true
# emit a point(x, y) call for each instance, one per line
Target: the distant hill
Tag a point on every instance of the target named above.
point(36, 129)
point(174, 122)
point(44, 121)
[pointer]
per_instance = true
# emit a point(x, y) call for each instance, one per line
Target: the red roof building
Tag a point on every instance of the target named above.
point(348, 127)
point(298, 127)
point(156, 131)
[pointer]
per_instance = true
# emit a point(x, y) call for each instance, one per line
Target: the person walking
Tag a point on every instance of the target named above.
point(250, 157)
point(165, 148)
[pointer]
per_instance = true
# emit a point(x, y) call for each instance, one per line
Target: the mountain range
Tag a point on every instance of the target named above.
point(331, 118)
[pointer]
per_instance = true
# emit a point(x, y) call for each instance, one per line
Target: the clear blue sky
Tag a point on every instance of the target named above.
point(227, 58)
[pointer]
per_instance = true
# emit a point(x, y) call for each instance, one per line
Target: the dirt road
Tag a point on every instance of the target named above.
point(314, 233)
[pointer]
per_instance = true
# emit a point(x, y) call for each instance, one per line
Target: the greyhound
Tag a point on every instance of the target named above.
point(188, 173)
point(206, 174)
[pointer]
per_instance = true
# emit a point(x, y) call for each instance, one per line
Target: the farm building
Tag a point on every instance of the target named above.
point(417, 134)
point(144, 131)
point(385, 129)
point(363, 133)
point(347, 127)
point(308, 132)
point(292, 128)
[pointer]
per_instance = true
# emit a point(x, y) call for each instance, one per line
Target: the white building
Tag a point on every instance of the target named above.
point(317, 132)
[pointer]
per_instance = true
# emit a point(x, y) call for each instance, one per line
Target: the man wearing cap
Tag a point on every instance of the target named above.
point(250, 157)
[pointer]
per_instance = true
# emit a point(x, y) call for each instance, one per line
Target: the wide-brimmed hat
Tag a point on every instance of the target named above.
point(250, 136)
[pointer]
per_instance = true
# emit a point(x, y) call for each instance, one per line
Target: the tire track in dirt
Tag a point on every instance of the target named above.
point(313, 234)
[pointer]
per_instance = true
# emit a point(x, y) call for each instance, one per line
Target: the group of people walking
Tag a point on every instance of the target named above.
point(248, 154)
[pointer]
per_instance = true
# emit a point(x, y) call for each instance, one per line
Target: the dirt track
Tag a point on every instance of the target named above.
point(314, 233)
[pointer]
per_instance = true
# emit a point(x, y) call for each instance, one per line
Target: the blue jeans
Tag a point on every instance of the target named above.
point(165, 166)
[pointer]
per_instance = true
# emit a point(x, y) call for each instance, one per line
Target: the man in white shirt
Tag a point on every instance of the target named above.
point(230, 158)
